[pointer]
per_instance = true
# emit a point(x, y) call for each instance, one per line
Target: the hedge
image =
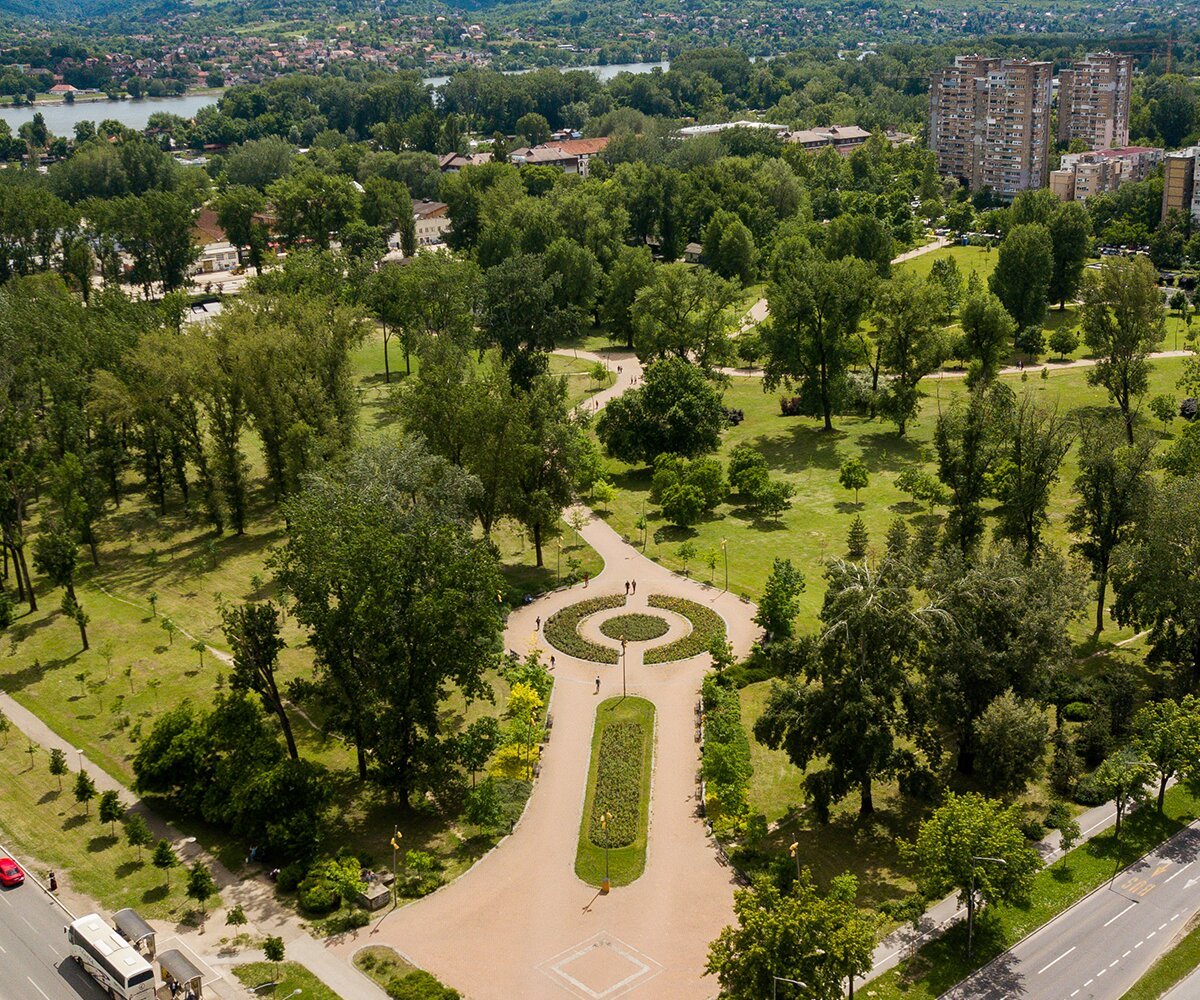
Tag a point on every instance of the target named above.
point(635, 628)
point(562, 629)
point(707, 627)
point(618, 785)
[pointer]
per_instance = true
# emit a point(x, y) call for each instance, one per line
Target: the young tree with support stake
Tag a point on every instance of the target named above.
point(253, 634)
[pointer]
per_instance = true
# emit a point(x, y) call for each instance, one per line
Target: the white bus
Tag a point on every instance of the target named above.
point(111, 960)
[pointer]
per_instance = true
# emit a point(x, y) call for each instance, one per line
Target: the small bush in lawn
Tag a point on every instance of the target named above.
point(317, 896)
point(420, 985)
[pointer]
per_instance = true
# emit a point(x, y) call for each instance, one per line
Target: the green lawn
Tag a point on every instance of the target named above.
point(288, 977)
point(50, 831)
point(624, 864)
point(1170, 969)
point(943, 963)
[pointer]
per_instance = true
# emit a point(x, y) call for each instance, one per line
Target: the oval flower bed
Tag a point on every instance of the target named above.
point(562, 629)
point(707, 627)
point(618, 784)
point(635, 628)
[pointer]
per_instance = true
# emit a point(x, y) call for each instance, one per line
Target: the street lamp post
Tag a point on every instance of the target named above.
point(396, 838)
point(623, 657)
point(725, 553)
point(606, 885)
point(971, 902)
point(794, 851)
point(776, 980)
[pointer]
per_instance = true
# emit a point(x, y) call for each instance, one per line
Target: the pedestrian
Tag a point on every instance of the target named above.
point(633, 584)
point(551, 661)
point(538, 624)
point(597, 684)
point(53, 883)
point(585, 581)
point(626, 588)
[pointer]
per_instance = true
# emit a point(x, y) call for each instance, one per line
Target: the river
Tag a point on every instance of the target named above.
point(61, 119)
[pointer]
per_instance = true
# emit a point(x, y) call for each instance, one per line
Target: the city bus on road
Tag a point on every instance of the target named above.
point(111, 960)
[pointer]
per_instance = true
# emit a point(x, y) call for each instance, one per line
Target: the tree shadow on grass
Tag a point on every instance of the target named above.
point(796, 448)
point(127, 868)
point(102, 843)
point(672, 533)
point(71, 822)
point(50, 796)
point(156, 894)
point(905, 507)
point(887, 450)
point(848, 507)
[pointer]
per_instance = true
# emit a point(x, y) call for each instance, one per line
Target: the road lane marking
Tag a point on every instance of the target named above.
point(1101, 973)
point(1174, 918)
point(1059, 959)
point(1181, 870)
point(1088, 983)
point(1075, 992)
point(38, 988)
point(1138, 945)
point(1162, 868)
point(1162, 925)
point(2, 951)
point(29, 925)
point(1128, 953)
point(1150, 935)
point(1121, 914)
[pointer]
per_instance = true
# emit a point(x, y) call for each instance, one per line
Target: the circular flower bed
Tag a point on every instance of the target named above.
point(635, 628)
point(707, 627)
point(562, 629)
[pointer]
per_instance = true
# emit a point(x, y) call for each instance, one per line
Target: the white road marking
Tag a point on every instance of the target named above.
point(1150, 935)
point(1101, 973)
point(1075, 992)
point(1181, 871)
point(6, 902)
point(1059, 959)
point(1162, 925)
point(1139, 944)
point(1121, 914)
point(1088, 983)
point(1113, 962)
point(38, 988)
point(1128, 953)
point(2, 951)
point(29, 925)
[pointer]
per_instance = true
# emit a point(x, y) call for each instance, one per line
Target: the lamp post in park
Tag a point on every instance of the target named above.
point(725, 553)
point(623, 668)
point(396, 838)
point(606, 885)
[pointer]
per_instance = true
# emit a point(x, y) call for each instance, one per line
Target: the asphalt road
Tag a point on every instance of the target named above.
point(1102, 945)
point(33, 950)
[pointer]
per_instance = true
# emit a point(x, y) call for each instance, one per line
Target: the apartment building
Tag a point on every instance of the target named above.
point(1093, 100)
point(1082, 175)
point(1181, 190)
point(989, 123)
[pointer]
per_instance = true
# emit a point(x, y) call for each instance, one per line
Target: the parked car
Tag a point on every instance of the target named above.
point(11, 874)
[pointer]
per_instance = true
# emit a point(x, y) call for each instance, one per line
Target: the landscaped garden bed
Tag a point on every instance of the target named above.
point(707, 627)
point(618, 788)
point(636, 627)
point(562, 629)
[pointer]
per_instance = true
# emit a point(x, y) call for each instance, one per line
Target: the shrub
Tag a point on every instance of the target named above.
point(562, 629)
point(635, 628)
point(1058, 814)
point(1089, 792)
point(290, 876)
point(707, 627)
point(725, 762)
point(420, 985)
point(317, 896)
point(618, 785)
point(1033, 830)
point(1077, 711)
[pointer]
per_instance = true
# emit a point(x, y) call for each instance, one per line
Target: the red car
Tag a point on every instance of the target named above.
point(10, 873)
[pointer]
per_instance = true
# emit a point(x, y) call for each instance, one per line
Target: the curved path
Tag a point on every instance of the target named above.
point(520, 925)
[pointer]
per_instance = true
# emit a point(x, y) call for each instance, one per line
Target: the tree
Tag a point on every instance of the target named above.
point(1113, 487)
point(85, 790)
point(55, 553)
point(676, 410)
point(477, 743)
point(975, 845)
point(729, 247)
point(258, 162)
point(1156, 575)
point(1063, 341)
point(780, 601)
point(1038, 441)
point(816, 305)
point(137, 832)
point(235, 917)
point(1167, 734)
point(947, 279)
point(841, 702)
point(632, 271)
point(533, 128)
point(236, 208)
point(820, 939)
point(387, 205)
point(200, 887)
point(1123, 321)
point(521, 315)
point(857, 539)
point(164, 860)
point(313, 205)
point(862, 236)
point(1010, 738)
point(397, 597)
point(685, 312)
point(252, 630)
point(111, 810)
point(58, 765)
point(969, 439)
point(1070, 238)
point(853, 476)
point(1173, 109)
point(1122, 777)
point(987, 330)
point(273, 951)
point(1004, 627)
point(911, 345)
point(1024, 268)
point(1164, 408)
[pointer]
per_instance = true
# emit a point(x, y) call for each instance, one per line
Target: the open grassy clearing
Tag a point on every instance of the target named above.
point(288, 977)
point(50, 831)
point(629, 777)
point(943, 963)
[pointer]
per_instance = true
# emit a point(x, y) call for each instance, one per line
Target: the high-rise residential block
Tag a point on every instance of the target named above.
point(989, 123)
point(1098, 171)
point(1093, 100)
point(1181, 183)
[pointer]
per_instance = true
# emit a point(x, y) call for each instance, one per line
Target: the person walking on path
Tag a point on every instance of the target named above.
point(597, 684)
point(538, 624)
point(626, 588)
point(585, 581)
point(633, 584)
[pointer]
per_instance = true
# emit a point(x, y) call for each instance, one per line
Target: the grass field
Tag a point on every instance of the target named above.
point(942, 963)
point(50, 831)
point(624, 864)
point(289, 978)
